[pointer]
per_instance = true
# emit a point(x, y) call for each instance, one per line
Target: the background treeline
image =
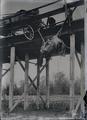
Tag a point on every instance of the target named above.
point(60, 85)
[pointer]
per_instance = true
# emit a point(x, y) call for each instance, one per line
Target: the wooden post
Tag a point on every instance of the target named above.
point(78, 60)
point(85, 37)
point(26, 82)
point(47, 83)
point(85, 31)
point(0, 87)
point(12, 62)
point(38, 83)
point(85, 42)
point(82, 81)
point(82, 74)
point(72, 68)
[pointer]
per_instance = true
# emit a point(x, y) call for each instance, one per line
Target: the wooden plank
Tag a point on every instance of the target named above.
point(72, 68)
point(0, 87)
point(26, 82)
point(53, 97)
point(12, 62)
point(47, 83)
point(38, 83)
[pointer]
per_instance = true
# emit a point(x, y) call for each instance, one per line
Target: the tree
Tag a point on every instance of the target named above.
point(61, 84)
point(5, 90)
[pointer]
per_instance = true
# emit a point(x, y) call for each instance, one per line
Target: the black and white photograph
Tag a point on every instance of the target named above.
point(43, 59)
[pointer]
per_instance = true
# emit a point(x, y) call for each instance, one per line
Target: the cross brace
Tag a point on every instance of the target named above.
point(32, 83)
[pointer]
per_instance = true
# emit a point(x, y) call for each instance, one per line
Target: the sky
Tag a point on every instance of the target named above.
point(57, 64)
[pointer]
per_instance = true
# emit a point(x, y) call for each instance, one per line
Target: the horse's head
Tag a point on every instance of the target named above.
point(52, 43)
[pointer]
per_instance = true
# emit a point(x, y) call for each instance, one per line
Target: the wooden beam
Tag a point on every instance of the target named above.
point(26, 82)
point(40, 73)
point(85, 44)
point(82, 74)
point(78, 60)
point(12, 62)
point(82, 82)
point(47, 83)
point(6, 72)
point(38, 84)
point(77, 26)
point(78, 104)
point(0, 88)
point(72, 68)
point(40, 16)
point(85, 40)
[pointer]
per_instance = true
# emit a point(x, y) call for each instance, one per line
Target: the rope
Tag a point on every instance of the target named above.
point(41, 35)
point(59, 31)
point(58, 34)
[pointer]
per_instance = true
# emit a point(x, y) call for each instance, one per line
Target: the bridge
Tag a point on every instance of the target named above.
point(19, 46)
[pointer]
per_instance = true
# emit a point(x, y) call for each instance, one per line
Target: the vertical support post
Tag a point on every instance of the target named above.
point(12, 62)
point(47, 82)
point(0, 87)
point(38, 83)
point(82, 75)
point(26, 82)
point(72, 68)
point(85, 41)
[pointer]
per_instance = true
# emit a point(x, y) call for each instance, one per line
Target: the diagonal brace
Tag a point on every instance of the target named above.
point(77, 57)
point(30, 80)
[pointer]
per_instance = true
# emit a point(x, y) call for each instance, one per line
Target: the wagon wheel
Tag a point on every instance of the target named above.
point(28, 32)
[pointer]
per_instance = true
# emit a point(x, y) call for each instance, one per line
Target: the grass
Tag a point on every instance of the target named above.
point(53, 107)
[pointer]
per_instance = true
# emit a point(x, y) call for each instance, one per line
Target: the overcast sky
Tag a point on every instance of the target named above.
point(57, 64)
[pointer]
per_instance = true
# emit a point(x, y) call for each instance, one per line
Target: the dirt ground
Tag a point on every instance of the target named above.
point(35, 115)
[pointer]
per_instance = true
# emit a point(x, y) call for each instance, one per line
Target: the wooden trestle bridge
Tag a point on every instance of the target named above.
point(18, 48)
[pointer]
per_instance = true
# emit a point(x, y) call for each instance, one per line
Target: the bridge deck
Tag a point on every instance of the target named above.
point(33, 48)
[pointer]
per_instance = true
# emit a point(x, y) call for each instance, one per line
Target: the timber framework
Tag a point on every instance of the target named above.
point(37, 41)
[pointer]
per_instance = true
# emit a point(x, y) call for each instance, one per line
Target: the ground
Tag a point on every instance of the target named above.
point(35, 115)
